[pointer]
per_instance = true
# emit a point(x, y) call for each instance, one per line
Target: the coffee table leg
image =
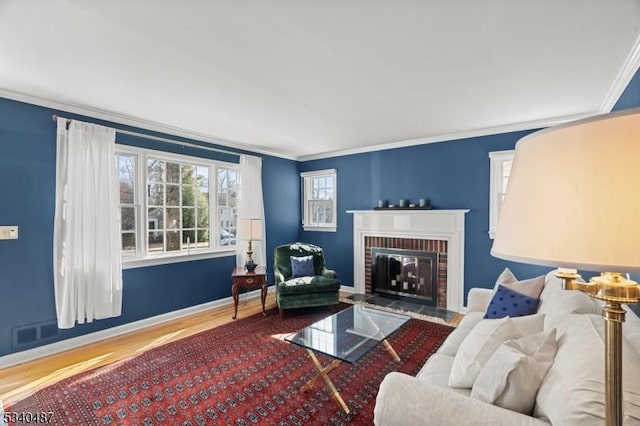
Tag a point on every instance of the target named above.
point(391, 350)
point(324, 373)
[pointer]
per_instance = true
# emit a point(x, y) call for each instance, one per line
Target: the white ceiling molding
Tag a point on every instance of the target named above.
point(454, 136)
point(135, 122)
point(627, 72)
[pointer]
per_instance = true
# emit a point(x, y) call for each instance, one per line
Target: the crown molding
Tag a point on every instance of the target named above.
point(623, 78)
point(139, 123)
point(620, 84)
point(526, 125)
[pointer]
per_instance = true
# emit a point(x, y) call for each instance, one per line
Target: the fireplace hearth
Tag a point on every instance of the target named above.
point(410, 275)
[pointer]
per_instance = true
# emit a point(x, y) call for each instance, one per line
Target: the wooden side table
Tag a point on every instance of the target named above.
point(242, 278)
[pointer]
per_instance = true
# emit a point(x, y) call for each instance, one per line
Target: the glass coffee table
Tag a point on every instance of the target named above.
point(346, 336)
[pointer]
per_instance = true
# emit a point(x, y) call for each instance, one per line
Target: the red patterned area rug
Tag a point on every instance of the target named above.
point(240, 373)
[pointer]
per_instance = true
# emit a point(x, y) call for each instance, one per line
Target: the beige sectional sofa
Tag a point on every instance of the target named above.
point(571, 391)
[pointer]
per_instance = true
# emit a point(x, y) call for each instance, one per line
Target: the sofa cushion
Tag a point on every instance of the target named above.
point(512, 376)
point(507, 302)
point(477, 348)
point(302, 266)
point(572, 392)
point(558, 304)
point(529, 324)
point(314, 284)
point(436, 371)
point(505, 277)
point(452, 342)
point(532, 287)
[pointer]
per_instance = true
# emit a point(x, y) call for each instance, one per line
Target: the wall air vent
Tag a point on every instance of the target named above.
point(33, 334)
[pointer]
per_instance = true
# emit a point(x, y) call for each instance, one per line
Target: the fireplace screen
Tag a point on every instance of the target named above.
point(405, 273)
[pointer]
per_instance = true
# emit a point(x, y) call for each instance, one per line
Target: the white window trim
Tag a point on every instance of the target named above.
point(306, 190)
point(497, 158)
point(140, 259)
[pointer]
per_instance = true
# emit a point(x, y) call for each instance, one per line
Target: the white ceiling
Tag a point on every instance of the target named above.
point(308, 78)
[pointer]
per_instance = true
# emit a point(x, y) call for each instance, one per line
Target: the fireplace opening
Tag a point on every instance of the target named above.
point(405, 274)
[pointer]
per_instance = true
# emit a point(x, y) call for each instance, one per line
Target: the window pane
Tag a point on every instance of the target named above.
point(128, 218)
point(227, 238)
point(155, 194)
point(188, 195)
point(155, 170)
point(203, 218)
point(189, 237)
point(173, 218)
point(126, 192)
point(128, 242)
point(227, 218)
point(203, 238)
point(155, 219)
point(173, 195)
point(126, 167)
point(173, 173)
point(188, 174)
point(227, 202)
point(202, 176)
point(173, 240)
point(188, 218)
point(156, 241)
point(321, 212)
point(203, 199)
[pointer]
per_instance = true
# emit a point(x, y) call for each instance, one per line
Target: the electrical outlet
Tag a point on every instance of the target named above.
point(9, 232)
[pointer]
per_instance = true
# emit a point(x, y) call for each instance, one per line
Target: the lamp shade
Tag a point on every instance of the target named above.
point(250, 229)
point(573, 197)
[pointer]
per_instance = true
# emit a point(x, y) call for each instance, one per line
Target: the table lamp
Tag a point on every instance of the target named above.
point(251, 230)
point(572, 201)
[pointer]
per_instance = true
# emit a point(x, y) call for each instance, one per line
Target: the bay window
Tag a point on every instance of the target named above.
point(175, 207)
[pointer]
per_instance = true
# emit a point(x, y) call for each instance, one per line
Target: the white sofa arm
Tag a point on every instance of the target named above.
point(404, 400)
point(478, 299)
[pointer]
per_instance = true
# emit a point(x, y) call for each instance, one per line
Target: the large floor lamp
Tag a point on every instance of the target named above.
point(573, 201)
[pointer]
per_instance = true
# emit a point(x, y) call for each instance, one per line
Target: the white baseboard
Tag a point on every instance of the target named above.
point(347, 289)
point(74, 342)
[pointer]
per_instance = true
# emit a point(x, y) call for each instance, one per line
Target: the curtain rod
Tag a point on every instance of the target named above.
point(157, 138)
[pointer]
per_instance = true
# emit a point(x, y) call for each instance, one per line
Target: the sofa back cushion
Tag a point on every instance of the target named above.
point(512, 376)
point(572, 392)
point(477, 348)
point(557, 303)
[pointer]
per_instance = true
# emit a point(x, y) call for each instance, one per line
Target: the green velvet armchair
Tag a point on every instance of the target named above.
point(297, 286)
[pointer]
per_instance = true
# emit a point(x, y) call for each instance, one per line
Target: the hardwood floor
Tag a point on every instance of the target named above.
point(22, 380)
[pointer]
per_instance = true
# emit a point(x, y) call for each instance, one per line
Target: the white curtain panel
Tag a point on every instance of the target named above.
point(86, 252)
point(251, 206)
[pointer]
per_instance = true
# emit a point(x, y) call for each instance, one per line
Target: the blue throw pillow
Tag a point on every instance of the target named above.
point(509, 303)
point(302, 266)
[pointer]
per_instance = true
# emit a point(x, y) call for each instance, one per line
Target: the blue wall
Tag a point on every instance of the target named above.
point(27, 190)
point(452, 175)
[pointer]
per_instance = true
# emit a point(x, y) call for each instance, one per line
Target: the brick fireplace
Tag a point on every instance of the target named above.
point(410, 244)
point(439, 231)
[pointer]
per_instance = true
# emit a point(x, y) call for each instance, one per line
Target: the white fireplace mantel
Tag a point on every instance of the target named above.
point(445, 225)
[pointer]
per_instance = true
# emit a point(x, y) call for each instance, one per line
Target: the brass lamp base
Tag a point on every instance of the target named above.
point(615, 290)
point(249, 264)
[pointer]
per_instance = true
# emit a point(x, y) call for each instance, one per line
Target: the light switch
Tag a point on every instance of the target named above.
point(9, 232)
